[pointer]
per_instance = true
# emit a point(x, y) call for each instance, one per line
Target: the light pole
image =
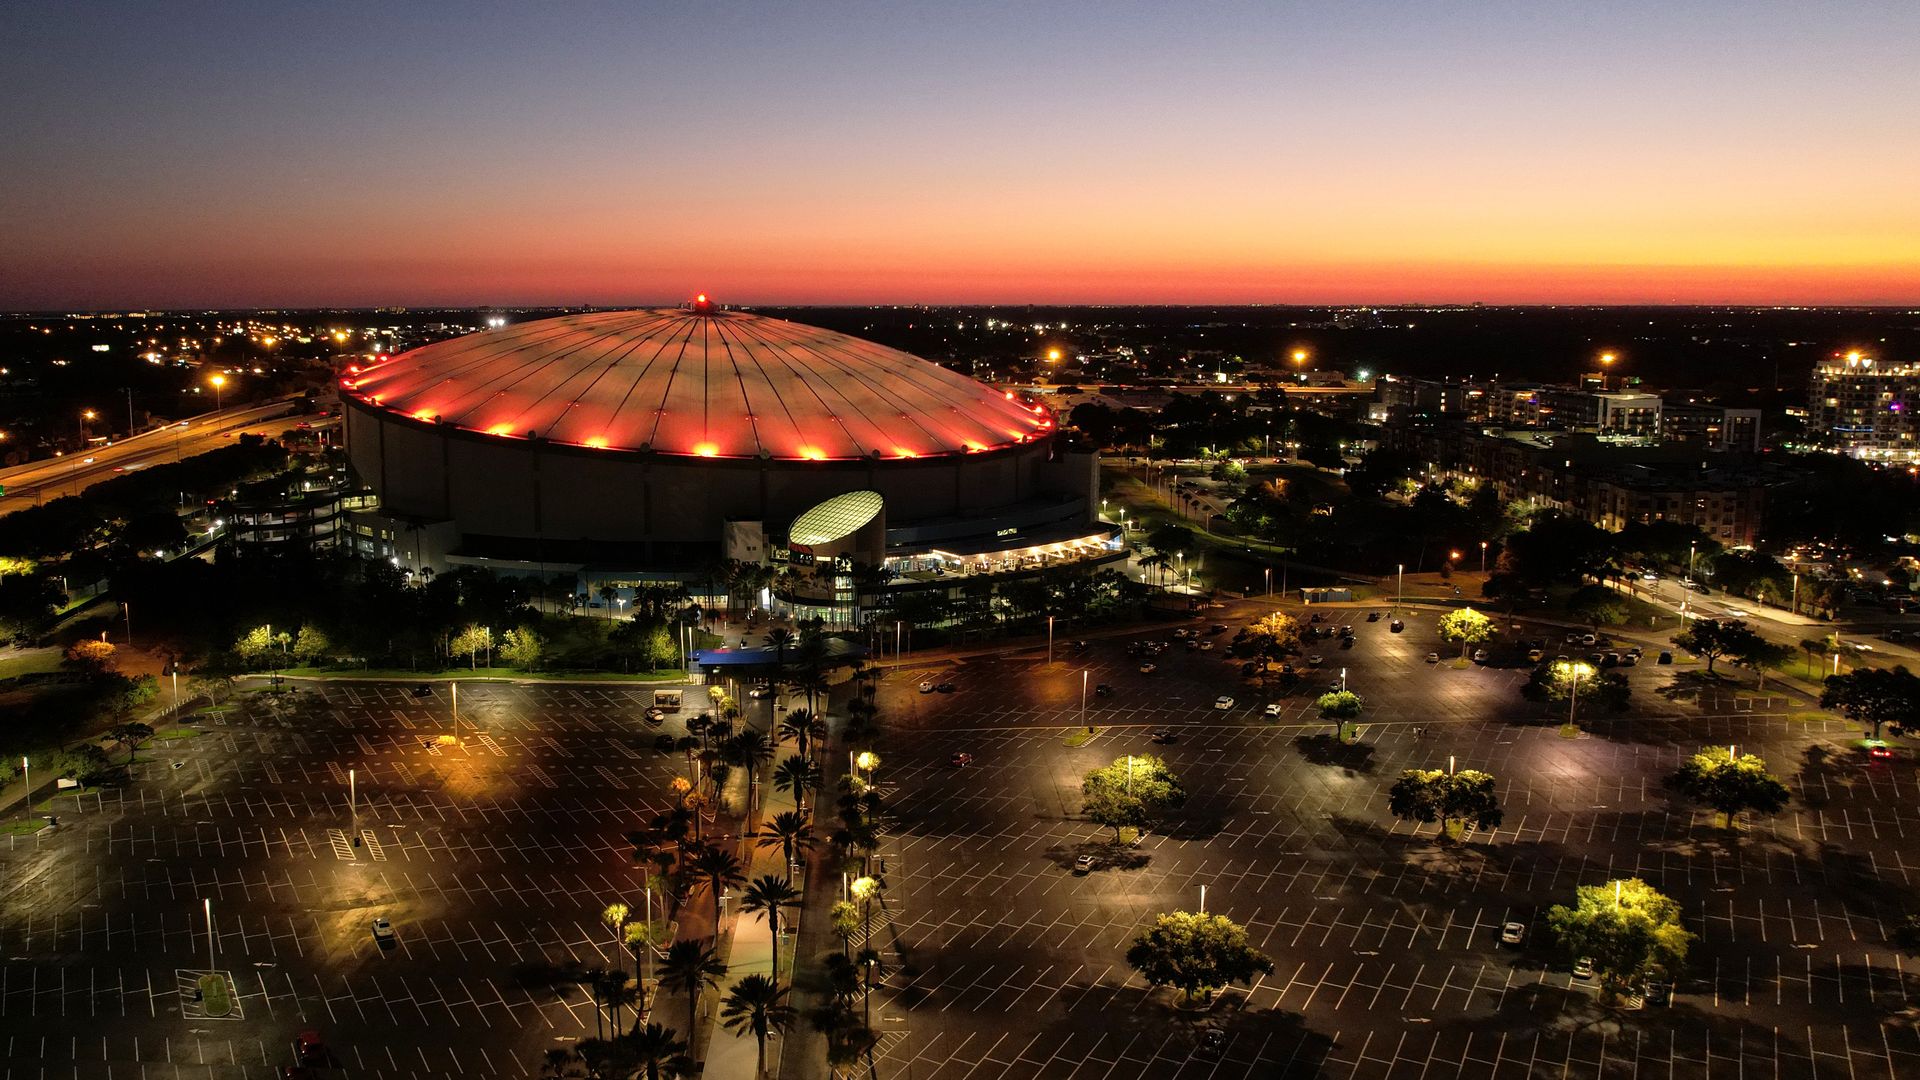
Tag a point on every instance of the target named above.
point(218, 381)
point(1796, 593)
point(26, 773)
point(1343, 680)
point(862, 889)
point(212, 963)
point(1083, 697)
point(1686, 593)
point(1203, 899)
point(1049, 641)
point(1399, 578)
point(1269, 573)
point(1483, 556)
point(353, 806)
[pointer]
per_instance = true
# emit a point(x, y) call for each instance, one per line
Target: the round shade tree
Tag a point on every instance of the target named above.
point(1132, 792)
point(1196, 953)
point(1629, 931)
point(1730, 782)
point(1455, 800)
point(1466, 626)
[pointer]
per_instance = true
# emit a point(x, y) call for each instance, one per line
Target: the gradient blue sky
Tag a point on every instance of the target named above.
point(255, 154)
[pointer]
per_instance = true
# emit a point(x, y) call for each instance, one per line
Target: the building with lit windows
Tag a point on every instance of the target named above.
point(1866, 408)
point(631, 446)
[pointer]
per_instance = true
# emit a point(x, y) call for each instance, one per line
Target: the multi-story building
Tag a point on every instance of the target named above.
point(1710, 427)
point(1608, 412)
point(1866, 408)
point(1605, 483)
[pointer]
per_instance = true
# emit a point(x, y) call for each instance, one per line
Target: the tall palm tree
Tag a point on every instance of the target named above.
point(757, 1004)
point(719, 869)
point(813, 684)
point(660, 1053)
point(789, 830)
point(690, 967)
point(594, 979)
point(614, 916)
point(618, 992)
point(778, 639)
point(798, 775)
point(804, 728)
point(769, 896)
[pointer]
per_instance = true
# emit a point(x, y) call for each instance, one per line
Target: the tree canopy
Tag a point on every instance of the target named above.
point(1466, 626)
point(1430, 795)
point(1133, 792)
point(1712, 639)
point(1196, 953)
point(1631, 932)
point(1875, 696)
point(1730, 783)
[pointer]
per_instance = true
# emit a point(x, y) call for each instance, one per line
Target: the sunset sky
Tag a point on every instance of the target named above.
point(255, 154)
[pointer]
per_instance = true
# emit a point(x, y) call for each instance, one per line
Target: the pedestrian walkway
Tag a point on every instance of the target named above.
point(733, 1056)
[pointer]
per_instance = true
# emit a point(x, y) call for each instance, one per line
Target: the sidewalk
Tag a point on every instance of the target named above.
point(731, 1056)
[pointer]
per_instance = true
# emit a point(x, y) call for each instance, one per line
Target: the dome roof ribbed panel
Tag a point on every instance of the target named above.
point(719, 384)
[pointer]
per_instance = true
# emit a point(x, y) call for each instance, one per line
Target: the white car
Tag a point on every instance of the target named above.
point(382, 930)
point(1583, 968)
point(926, 687)
point(1223, 702)
point(1513, 933)
point(1083, 864)
point(1479, 656)
point(1534, 655)
point(1273, 709)
point(1316, 660)
point(1433, 658)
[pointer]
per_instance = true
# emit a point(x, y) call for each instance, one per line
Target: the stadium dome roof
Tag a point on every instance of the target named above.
point(700, 382)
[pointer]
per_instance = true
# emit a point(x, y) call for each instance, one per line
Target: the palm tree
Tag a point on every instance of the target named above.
point(660, 1052)
point(798, 775)
point(719, 869)
point(778, 639)
point(748, 751)
point(768, 895)
point(690, 967)
point(614, 917)
point(789, 830)
point(757, 1004)
point(594, 979)
point(617, 991)
point(813, 684)
point(803, 727)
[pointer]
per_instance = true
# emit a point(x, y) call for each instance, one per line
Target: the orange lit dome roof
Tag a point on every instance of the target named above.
point(704, 383)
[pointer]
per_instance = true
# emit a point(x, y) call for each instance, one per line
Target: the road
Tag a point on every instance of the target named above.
point(1855, 626)
point(38, 481)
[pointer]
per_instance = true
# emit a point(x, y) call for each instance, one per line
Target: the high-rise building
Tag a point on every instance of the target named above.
point(1866, 407)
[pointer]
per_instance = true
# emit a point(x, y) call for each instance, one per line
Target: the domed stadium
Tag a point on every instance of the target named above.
point(637, 444)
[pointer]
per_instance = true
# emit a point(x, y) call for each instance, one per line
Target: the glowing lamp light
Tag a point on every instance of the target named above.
point(903, 452)
point(598, 442)
point(701, 299)
point(500, 429)
point(1299, 356)
point(974, 448)
point(1053, 356)
point(423, 414)
point(706, 449)
point(813, 453)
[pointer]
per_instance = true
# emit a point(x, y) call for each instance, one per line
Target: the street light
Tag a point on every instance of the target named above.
point(1049, 641)
point(1083, 697)
point(1483, 556)
point(211, 962)
point(218, 381)
point(1574, 669)
point(1399, 578)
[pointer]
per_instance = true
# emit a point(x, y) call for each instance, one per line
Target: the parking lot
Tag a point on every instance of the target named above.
point(1002, 960)
point(492, 857)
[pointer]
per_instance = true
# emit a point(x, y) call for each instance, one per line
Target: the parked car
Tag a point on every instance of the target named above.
point(1213, 1042)
point(1083, 864)
point(960, 761)
point(1165, 735)
point(423, 690)
point(1666, 656)
point(1658, 994)
point(1315, 660)
point(1273, 709)
point(926, 686)
point(1433, 658)
point(1147, 668)
point(664, 743)
point(1223, 703)
point(944, 687)
point(1396, 626)
point(1479, 656)
point(308, 1047)
point(1373, 616)
point(1583, 968)
point(1534, 655)
point(1102, 690)
point(1513, 933)
point(382, 930)
point(1878, 750)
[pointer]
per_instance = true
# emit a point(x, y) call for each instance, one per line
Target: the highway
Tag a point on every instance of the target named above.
point(39, 481)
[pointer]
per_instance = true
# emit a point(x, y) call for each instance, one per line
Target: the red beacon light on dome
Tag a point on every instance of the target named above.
point(702, 305)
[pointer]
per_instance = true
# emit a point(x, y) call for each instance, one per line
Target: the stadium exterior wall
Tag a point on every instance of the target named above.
point(487, 485)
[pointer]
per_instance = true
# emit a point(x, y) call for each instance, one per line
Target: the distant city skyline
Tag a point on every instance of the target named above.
point(1385, 152)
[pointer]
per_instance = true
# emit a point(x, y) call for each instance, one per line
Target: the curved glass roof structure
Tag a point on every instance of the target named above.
point(703, 383)
point(836, 518)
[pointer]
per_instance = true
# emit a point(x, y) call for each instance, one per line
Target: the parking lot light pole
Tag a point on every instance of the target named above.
point(1399, 576)
point(1083, 697)
point(1343, 680)
point(26, 772)
point(212, 964)
point(1203, 899)
point(1049, 641)
point(1483, 556)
